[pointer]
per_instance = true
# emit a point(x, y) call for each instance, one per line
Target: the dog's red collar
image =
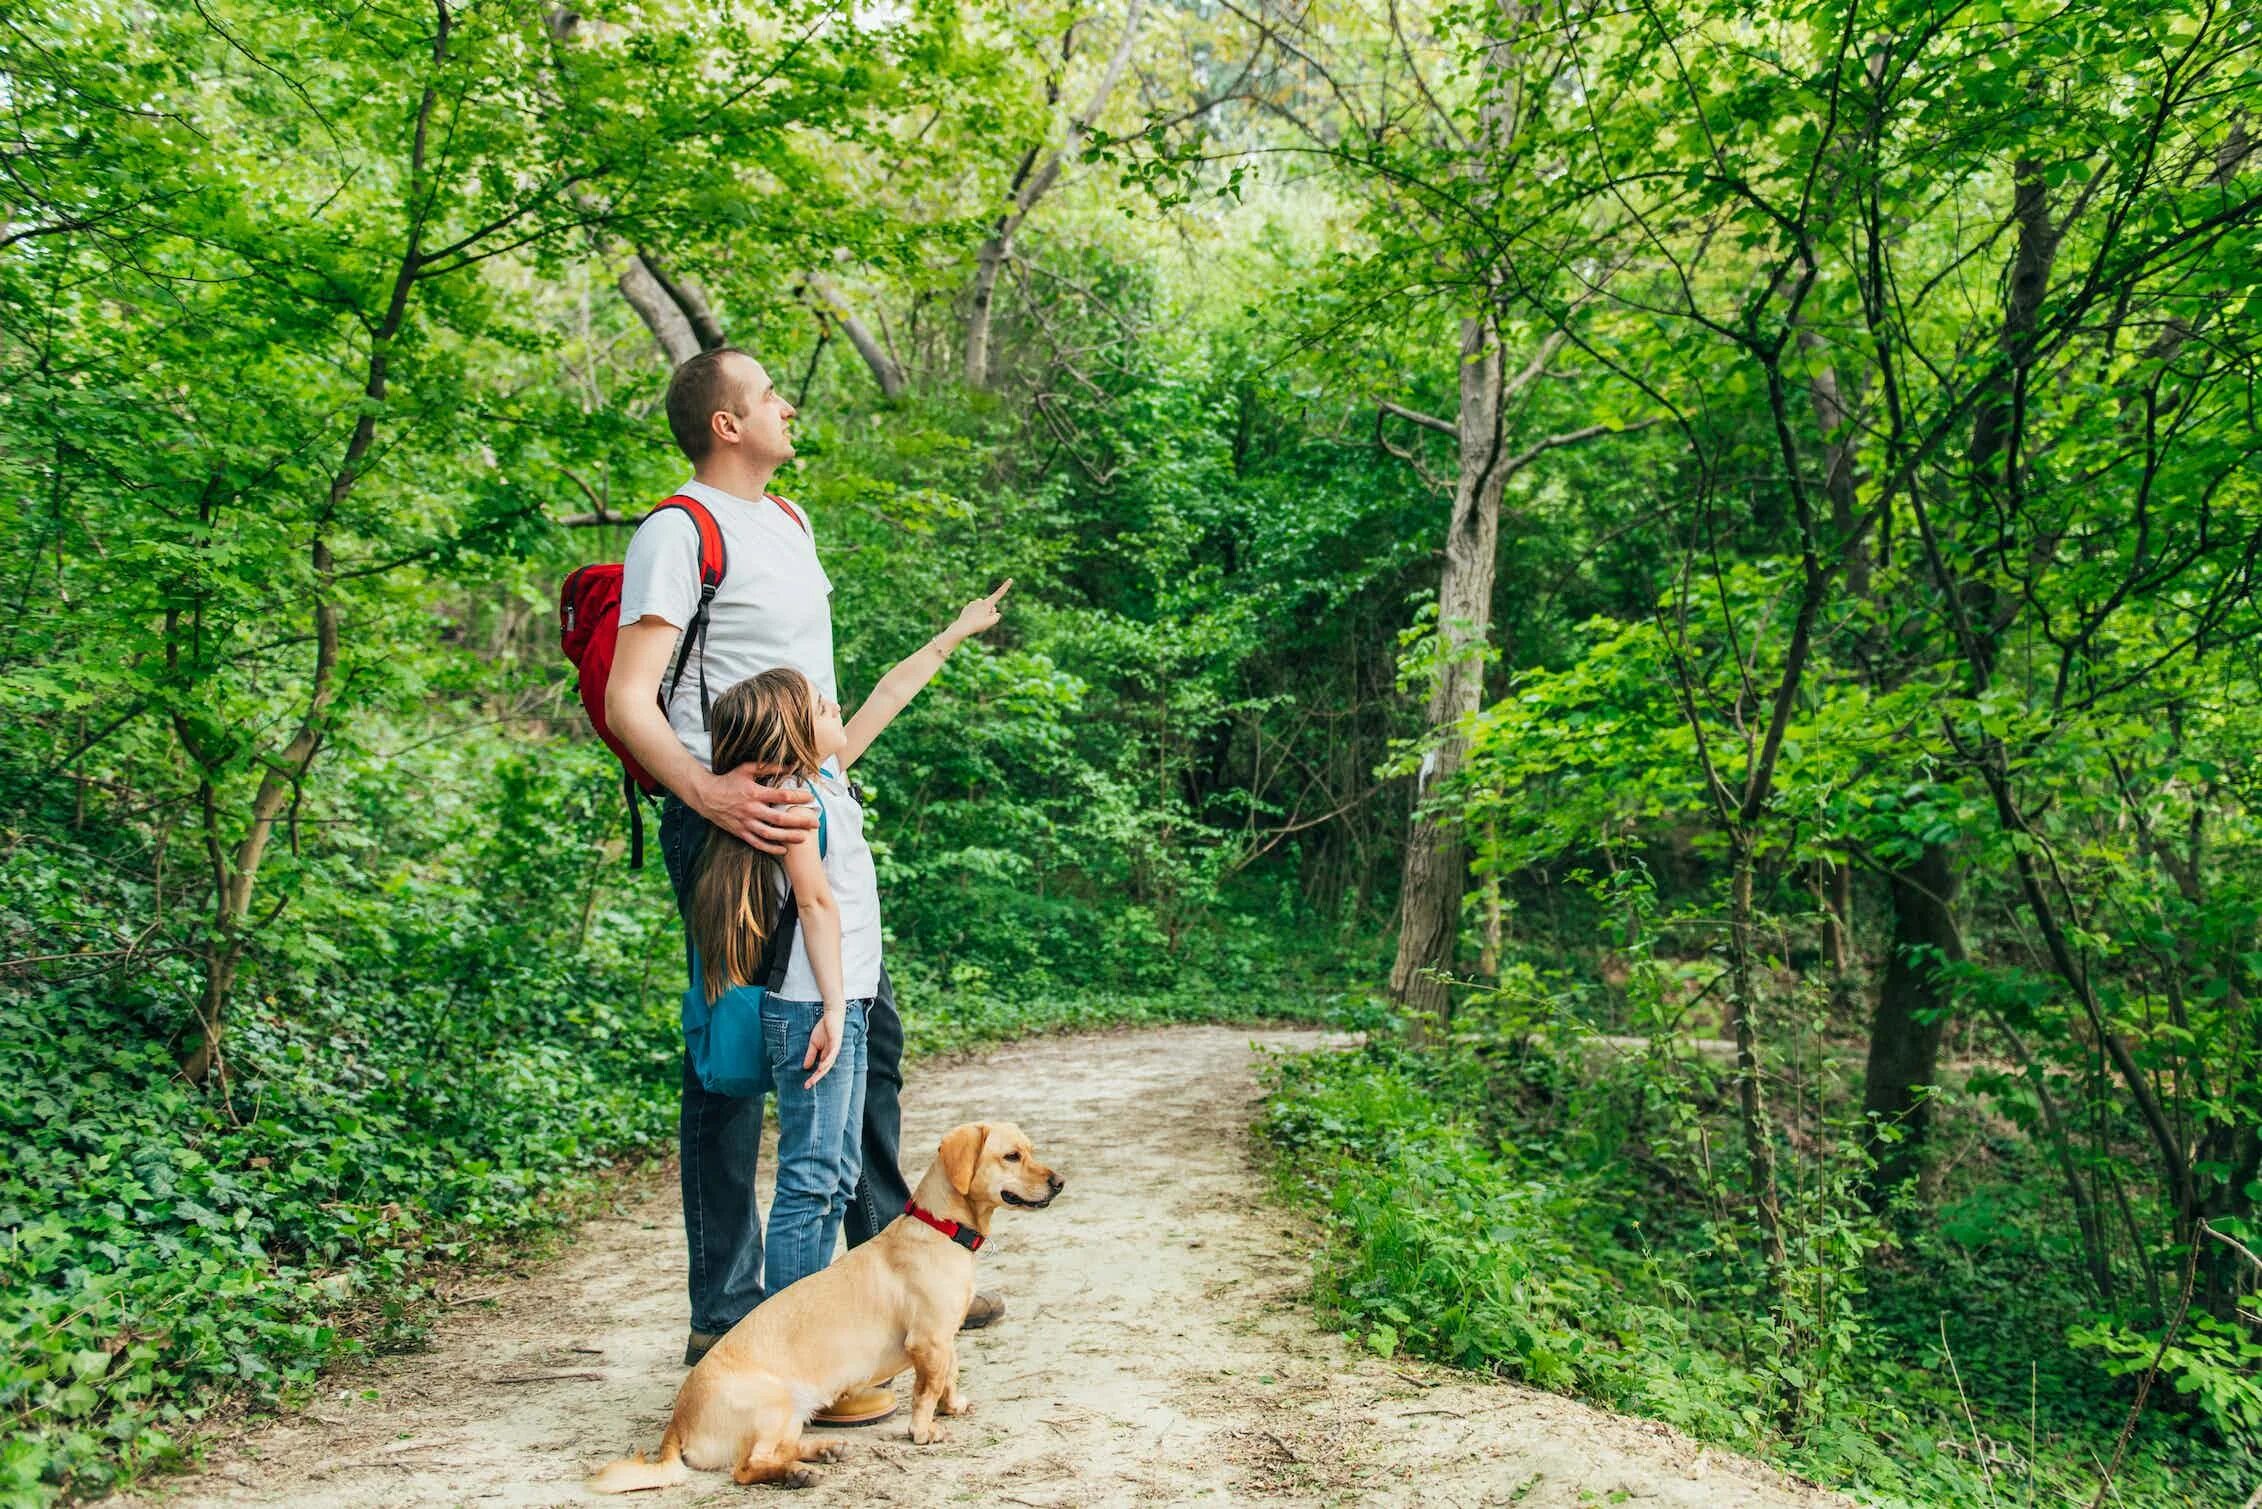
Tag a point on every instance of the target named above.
point(965, 1236)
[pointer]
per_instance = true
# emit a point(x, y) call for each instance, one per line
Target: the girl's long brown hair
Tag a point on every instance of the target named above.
point(768, 721)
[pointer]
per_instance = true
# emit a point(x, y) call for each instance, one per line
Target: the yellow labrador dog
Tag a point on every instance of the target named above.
point(896, 1301)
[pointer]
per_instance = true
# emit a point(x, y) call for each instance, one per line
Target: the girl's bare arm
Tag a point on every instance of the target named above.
point(820, 939)
point(899, 686)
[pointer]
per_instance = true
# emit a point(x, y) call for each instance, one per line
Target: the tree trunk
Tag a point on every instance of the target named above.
point(234, 876)
point(1834, 418)
point(884, 368)
point(2059, 1138)
point(1997, 470)
point(1912, 1012)
point(1031, 181)
point(1743, 1017)
point(1912, 1006)
point(1834, 888)
point(1837, 423)
point(1429, 915)
point(988, 263)
point(661, 314)
point(1488, 955)
point(691, 299)
point(221, 958)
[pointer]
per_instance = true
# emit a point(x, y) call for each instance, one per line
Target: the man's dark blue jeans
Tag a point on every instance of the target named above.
point(719, 1140)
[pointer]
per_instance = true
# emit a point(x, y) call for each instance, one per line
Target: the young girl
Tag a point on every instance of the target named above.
point(813, 1023)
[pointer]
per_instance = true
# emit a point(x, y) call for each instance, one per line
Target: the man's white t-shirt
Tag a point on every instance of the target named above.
point(774, 607)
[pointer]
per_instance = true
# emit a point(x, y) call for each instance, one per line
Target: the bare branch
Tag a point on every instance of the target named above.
point(1426, 421)
point(884, 367)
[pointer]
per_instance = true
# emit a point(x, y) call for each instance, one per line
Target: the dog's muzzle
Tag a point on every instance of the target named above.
point(1055, 1181)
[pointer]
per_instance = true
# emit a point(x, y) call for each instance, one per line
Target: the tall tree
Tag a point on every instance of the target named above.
point(1033, 177)
point(1440, 161)
point(331, 215)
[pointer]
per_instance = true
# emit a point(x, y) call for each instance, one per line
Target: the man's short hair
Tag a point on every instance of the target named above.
point(702, 388)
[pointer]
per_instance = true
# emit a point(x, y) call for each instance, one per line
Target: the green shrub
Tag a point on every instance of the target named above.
point(2212, 1363)
point(466, 1016)
point(1521, 1210)
point(168, 1250)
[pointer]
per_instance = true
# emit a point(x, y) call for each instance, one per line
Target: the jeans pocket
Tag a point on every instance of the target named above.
point(787, 1027)
point(777, 1035)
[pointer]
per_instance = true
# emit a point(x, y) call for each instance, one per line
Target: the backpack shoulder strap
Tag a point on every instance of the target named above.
point(792, 511)
point(714, 560)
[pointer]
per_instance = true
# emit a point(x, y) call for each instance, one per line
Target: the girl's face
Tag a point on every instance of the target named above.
point(832, 733)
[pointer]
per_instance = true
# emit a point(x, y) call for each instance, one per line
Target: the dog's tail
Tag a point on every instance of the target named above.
point(631, 1473)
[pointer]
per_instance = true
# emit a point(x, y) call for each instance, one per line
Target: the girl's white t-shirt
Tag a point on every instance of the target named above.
point(774, 607)
point(856, 888)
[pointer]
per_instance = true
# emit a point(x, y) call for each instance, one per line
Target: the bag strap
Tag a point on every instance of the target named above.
point(714, 561)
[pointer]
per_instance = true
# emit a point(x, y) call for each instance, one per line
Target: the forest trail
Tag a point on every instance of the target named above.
point(1157, 1349)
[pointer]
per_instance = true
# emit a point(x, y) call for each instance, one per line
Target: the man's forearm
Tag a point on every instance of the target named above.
point(738, 802)
point(646, 732)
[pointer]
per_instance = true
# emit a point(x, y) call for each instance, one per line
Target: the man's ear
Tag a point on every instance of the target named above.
point(960, 1154)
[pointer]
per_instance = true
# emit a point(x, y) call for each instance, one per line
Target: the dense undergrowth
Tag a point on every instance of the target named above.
point(1547, 1210)
point(476, 1025)
point(177, 1255)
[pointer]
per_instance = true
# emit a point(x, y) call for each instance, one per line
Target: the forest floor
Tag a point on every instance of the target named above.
point(1158, 1346)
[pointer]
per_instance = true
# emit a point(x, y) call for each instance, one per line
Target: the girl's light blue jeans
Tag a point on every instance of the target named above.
point(820, 1142)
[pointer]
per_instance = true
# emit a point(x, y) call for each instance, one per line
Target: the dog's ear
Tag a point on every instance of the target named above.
point(960, 1153)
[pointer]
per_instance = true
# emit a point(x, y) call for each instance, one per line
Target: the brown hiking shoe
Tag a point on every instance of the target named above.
point(698, 1346)
point(986, 1310)
point(859, 1406)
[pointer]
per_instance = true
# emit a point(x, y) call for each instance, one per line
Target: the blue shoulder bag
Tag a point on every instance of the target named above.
point(724, 1036)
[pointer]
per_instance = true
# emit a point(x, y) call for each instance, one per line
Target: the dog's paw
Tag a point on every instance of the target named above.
point(931, 1435)
point(825, 1452)
point(957, 1404)
point(800, 1477)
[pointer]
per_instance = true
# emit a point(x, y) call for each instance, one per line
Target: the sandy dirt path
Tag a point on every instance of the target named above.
point(1157, 1349)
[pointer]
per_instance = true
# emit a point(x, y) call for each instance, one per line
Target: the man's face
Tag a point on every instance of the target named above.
point(758, 430)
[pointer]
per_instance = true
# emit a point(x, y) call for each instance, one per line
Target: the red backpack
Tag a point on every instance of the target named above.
point(589, 633)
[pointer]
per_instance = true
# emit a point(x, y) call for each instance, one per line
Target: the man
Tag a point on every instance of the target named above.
point(773, 609)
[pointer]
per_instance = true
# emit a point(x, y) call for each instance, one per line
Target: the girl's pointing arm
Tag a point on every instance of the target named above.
point(899, 686)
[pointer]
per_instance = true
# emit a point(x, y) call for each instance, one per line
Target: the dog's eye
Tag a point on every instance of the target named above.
point(1013, 1157)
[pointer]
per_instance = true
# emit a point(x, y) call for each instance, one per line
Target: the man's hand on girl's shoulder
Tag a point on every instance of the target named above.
point(769, 817)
